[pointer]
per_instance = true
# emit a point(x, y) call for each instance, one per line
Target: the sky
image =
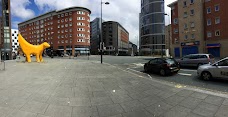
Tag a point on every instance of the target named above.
point(126, 12)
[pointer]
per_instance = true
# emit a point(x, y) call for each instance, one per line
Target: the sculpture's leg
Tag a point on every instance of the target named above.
point(41, 58)
point(37, 58)
point(28, 59)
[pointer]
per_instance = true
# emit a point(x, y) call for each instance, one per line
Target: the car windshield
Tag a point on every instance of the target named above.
point(170, 61)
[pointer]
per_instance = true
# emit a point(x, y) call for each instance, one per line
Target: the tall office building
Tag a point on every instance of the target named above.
point(66, 30)
point(95, 27)
point(152, 27)
point(5, 30)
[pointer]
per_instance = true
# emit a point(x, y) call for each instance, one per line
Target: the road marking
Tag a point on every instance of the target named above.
point(188, 70)
point(138, 64)
point(184, 74)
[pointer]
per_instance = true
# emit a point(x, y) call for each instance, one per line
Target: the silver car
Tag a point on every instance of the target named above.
point(217, 70)
point(195, 60)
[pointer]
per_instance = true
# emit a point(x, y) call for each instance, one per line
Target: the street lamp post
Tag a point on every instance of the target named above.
point(169, 29)
point(101, 42)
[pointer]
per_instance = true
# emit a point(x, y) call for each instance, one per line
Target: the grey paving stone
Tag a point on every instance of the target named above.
point(40, 115)
point(141, 113)
point(83, 94)
point(39, 97)
point(109, 110)
point(214, 100)
point(158, 108)
point(174, 113)
point(101, 94)
point(18, 113)
point(5, 111)
point(133, 105)
point(96, 88)
point(121, 98)
point(190, 102)
point(185, 93)
point(64, 93)
point(80, 102)
point(206, 109)
point(153, 91)
point(119, 92)
point(222, 112)
point(199, 95)
point(193, 115)
point(101, 101)
point(165, 94)
point(181, 109)
point(13, 103)
point(225, 102)
point(119, 115)
point(174, 100)
point(58, 101)
point(58, 111)
point(139, 95)
point(85, 111)
point(35, 107)
point(150, 100)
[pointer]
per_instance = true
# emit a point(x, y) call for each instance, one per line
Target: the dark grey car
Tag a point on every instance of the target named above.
point(195, 60)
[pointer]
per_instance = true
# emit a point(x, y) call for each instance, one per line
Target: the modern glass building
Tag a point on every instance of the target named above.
point(152, 27)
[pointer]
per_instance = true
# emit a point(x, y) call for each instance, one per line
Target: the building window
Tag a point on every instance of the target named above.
point(186, 37)
point(70, 24)
point(217, 20)
point(185, 26)
point(185, 3)
point(208, 10)
point(192, 12)
point(70, 19)
point(208, 34)
point(217, 33)
point(192, 24)
point(62, 15)
point(185, 14)
point(193, 36)
point(66, 14)
point(216, 7)
point(66, 20)
point(192, 1)
point(175, 21)
point(175, 30)
point(208, 22)
point(66, 25)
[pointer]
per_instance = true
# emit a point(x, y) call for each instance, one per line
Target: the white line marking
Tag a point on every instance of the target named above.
point(184, 74)
point(188, 70)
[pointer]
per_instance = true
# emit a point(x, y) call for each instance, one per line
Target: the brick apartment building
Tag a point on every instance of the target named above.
point(216, 27)
point(115, 38)
point(199, 26)
point(187, 27)
point(63, 30)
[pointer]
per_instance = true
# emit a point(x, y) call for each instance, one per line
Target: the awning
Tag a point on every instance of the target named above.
point(216, 45)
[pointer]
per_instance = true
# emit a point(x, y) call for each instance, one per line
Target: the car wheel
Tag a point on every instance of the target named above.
point(206, 75)
point(162, 72)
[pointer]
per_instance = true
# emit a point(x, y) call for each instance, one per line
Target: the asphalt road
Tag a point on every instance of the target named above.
point(186, 76)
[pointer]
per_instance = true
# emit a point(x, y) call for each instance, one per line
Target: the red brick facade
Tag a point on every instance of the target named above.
point(63, 29)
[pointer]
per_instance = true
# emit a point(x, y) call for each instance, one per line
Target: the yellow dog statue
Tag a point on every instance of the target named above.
point(29, 49)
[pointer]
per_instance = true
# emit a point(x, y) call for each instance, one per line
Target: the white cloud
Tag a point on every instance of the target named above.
point(18, 9)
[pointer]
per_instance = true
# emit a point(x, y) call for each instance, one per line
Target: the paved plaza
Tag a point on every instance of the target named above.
point(85, 88)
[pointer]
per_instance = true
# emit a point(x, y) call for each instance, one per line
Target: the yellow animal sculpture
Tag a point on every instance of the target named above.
point(29, 49)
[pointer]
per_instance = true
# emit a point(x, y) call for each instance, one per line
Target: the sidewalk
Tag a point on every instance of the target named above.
point(83, 88)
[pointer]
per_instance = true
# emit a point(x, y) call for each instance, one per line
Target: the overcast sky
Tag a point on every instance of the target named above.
point(126, 12)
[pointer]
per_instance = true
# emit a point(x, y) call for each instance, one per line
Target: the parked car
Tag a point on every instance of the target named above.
point(216, 70)
point(163, 66)
point(195, 60)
